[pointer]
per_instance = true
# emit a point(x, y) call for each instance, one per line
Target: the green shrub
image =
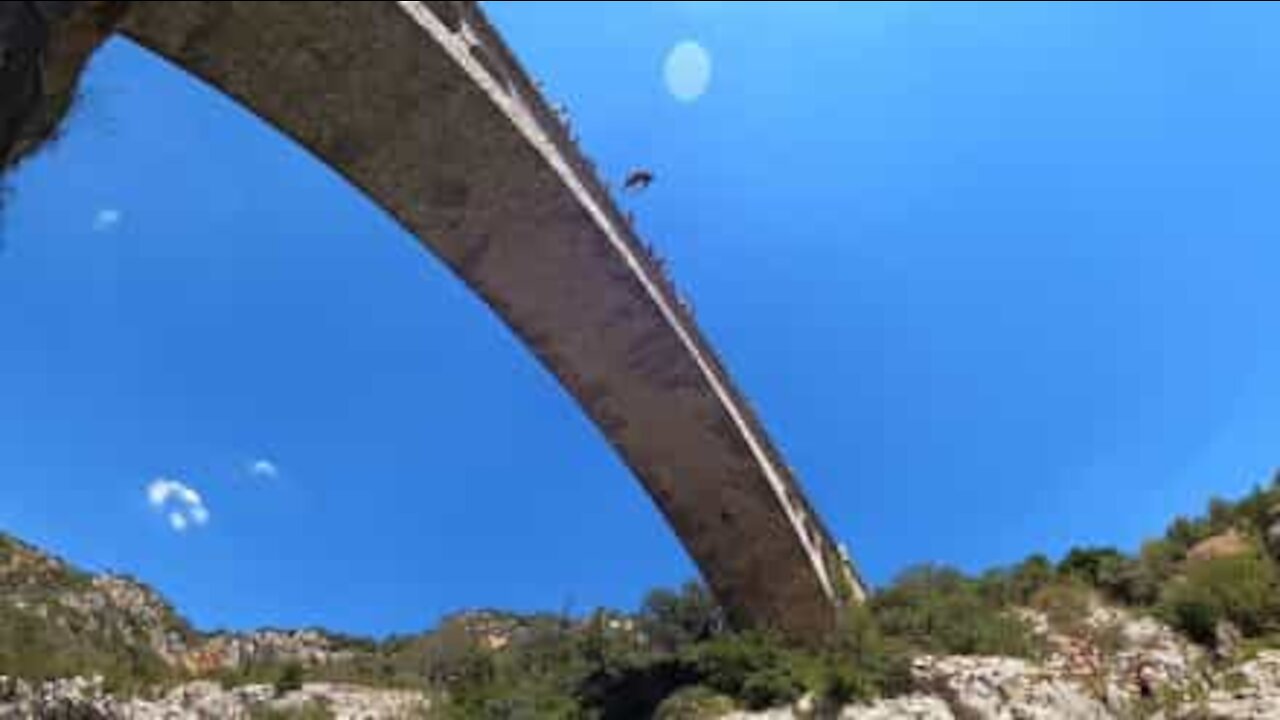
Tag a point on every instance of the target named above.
point(1009, 586)
point(289, 679)
point(750, 667)
point(674, 620)
point(1192, 611)
point(1065, 604)
point(772, 686)
point(938, 610)
point(1118, 576)
point(1157, 561)
point(725, 663)
point(694, 703)
point(1242, 589)
point(503, 700)
point(1185, 532)
point(841, 684)
point(859, 663)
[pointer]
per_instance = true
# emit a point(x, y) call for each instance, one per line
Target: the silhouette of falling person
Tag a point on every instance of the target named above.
point(638, 180)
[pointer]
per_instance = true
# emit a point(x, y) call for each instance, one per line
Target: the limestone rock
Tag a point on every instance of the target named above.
point(906, 707)
point(1122, 658)
point(235, 650)
point(1226, 639)
point(84, 699)
point(1000, 688)
point(1227, 544)
point(1248, 691)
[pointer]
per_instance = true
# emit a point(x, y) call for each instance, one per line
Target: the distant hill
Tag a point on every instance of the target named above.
point(1188, 626)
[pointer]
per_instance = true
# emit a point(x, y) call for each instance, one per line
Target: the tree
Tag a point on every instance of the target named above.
point(1029, 576)
point(751, 667)
point(1221, 515)
point(453, 659)
point(672, 620)
point(1106, 569)
point(1185, 533)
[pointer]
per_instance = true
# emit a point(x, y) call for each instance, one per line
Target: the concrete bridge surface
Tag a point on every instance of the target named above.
point(422, 107)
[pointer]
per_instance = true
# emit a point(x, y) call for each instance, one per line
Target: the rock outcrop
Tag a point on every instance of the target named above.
point(85, 699)
point(1248, 690)
point(1116, 666)
point(1125, 659)
point(1227, 544)
point(1000, 687)
point(907, 707)
point(229, 651)
point(123, 607)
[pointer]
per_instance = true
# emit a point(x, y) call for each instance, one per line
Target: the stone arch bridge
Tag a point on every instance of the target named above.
point(421, 106)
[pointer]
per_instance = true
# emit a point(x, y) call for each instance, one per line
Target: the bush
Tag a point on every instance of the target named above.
point(673, 620)
point(694, 703)
point(859, 663)
point(750, 667)
point(841, 684)
point(1242, 589)
point(772, 686)
point(1005, 587)
point(938, 610)
point(1157, 562)
point(517, 701)
point(1029, 576)
point(1115, 574)
point(725, 663)
point(1184, 532)
point(1065, 603)
point(758, 671)
point(289, 679)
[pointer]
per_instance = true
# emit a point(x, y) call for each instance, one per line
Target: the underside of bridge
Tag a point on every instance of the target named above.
point(422, 107)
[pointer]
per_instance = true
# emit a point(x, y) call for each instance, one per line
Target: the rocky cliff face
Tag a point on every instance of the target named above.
point(231, 651)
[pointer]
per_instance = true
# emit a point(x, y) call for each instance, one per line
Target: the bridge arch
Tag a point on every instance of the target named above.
point(421, 106)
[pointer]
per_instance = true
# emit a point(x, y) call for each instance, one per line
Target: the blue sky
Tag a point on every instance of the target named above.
point(999, 279)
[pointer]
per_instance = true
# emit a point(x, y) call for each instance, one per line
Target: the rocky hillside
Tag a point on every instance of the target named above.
point(58, 620)
point(1117, 665)
point(1187, 627)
